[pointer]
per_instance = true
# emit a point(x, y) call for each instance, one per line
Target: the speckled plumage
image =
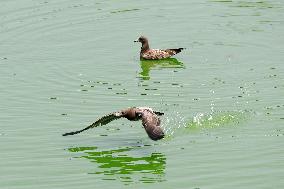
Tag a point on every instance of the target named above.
point(155, 54)
point(150, 121)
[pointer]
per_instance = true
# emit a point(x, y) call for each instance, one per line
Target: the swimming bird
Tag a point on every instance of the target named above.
point(155, 54)
point(150, 121)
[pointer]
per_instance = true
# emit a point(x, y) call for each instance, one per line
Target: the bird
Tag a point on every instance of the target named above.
point(155, 54)
point(150, 121)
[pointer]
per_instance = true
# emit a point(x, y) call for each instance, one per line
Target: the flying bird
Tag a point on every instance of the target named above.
point(155, 54)
point(150, 121)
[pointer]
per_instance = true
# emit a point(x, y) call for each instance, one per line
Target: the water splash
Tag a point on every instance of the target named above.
point(216, 119)
point(177, 124)
point(173, 123)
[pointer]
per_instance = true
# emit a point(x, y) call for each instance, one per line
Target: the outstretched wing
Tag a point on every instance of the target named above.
point(102, 121)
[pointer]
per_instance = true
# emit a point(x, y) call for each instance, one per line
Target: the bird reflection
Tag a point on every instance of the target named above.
point(147, 65)
point(117, 164)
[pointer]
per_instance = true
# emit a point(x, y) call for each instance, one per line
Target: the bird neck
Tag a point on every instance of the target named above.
point(145, 47)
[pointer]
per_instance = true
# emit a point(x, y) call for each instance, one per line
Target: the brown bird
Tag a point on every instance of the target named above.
point(150, 121)
point(155, 54)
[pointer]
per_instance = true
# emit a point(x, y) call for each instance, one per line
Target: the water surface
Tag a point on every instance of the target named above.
point(63, 64)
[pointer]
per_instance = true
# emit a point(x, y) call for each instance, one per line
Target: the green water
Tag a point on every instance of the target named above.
point(63, 64)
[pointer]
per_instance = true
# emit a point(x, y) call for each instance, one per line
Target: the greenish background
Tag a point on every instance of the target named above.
point(63, 64)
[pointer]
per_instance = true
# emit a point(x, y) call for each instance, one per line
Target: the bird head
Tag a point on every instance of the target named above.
point(142, 39)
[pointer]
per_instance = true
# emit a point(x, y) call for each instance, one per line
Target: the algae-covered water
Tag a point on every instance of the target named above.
point(63, 64)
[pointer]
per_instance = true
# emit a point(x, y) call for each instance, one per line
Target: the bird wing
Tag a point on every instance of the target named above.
point(102, 121)
point(151, 123)
point(154, 54)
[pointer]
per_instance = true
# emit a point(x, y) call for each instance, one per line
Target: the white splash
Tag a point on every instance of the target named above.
point(173, 123)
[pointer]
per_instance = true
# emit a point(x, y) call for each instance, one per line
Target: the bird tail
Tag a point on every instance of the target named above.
point(178, 50)
point(175, 51)
point(158, 113)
